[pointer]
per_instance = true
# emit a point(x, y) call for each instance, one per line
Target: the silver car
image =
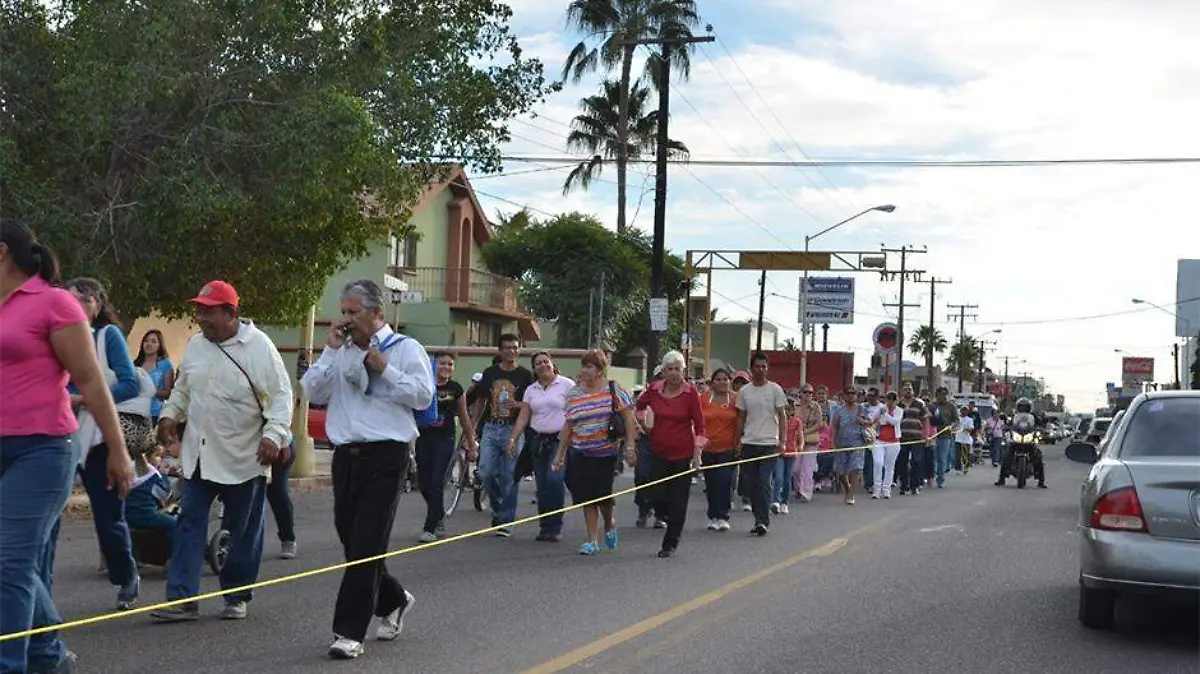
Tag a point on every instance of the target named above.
point(1139, 511)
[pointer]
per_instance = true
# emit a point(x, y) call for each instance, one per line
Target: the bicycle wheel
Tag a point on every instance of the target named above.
point(456, 481)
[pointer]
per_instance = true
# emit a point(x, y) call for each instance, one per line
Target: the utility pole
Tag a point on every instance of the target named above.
point(899, 307)
point(962, 335)
point(825, 340)
point(591, 307)
point(600, 319)
point(904, 273)
point(1175, 353)
point(660, 177)
point(983, 344)
point(933, 284)
point(762, 304)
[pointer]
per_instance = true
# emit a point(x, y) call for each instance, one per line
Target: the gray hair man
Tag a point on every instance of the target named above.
point(235, 395)
point(372, 380)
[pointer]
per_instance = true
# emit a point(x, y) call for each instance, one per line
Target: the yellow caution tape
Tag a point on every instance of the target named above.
point(82, 622)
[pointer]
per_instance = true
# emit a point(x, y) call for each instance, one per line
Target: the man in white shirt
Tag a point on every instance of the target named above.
point(372, 380)
point(761, 431)
point(235, 397)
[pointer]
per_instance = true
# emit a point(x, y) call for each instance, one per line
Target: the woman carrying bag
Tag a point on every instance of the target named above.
point(132, 393)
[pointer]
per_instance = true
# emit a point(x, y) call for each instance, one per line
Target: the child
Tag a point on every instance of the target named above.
point(781, 486)
point(964, 437)
point(145, 505)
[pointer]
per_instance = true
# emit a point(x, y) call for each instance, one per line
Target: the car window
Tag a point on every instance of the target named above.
point(1101, 427)
point(1163, 427)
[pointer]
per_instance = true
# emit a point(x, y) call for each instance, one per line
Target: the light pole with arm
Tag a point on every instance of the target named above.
point(885, 208)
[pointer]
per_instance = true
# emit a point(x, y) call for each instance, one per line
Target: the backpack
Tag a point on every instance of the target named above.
point(425, 417)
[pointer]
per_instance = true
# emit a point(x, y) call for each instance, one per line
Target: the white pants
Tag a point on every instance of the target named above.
point(885, 455)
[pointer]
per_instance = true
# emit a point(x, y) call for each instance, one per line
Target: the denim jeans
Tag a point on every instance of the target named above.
point(781, 487)
point(434, 453)
point(35, 481)
point(551, 489)
point(943, 456)
point(997, 451)
point(280, 499)
point(496, 470)
point(718, 484)
point(244, 511)
point(108, 516)
point(758, 480)
point(641, 475)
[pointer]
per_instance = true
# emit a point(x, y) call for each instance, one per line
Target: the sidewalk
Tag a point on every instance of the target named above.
point(78, 506)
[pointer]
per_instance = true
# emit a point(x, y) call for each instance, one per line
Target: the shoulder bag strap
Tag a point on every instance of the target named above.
point(253, 390)
point(612, 394)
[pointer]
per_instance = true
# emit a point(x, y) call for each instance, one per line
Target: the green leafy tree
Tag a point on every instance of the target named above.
point(558, 263)
point(595, 130)
point(608, 26)
point(160, 145)
point(964, 358)
point(927, 341)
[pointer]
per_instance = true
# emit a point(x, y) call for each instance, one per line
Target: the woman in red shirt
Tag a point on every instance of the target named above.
point(676, 440)
point(719, 407)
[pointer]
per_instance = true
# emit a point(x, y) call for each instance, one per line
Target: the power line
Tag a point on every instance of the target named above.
point(865, 163)
point(737, 208)
point(1092, 317)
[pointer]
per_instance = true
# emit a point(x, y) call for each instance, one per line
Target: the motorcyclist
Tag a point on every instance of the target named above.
point(1024, 422)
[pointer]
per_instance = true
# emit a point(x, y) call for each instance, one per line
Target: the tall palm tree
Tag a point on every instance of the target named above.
point(927, 341)
point(964, 358)
point(608, 27)
point(595, 131)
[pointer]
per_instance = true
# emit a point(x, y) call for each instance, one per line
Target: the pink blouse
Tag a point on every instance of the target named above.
point(34, 382)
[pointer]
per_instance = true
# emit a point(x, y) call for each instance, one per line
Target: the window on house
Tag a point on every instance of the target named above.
point(404, 252)
point(482, 333)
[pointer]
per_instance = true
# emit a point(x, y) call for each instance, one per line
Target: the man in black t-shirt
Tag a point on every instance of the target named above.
point(435, 446)
point(496, 401)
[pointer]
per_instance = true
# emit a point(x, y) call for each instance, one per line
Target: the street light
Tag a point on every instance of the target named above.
point(884, 208)
point(1187, 330)
point(980, 341)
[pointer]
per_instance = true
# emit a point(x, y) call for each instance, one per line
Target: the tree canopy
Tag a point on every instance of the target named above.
point(559, 263)
point(161, 145)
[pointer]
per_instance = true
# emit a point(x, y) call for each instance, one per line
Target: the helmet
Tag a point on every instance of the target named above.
point(1023, 405)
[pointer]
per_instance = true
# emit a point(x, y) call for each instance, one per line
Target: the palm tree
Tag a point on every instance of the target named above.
point(609, 27)
point(927, 341)
point(595, 131)
point(964, 358)
point(517, 221)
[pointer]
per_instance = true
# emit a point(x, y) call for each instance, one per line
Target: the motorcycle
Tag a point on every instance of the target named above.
point(1022, 447)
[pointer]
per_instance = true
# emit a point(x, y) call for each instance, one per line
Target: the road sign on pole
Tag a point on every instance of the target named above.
point(827, 300)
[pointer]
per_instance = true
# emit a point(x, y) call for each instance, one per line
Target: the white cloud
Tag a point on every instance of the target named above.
point(917, 78)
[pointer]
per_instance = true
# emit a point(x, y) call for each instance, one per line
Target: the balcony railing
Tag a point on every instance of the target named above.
point(464, 287)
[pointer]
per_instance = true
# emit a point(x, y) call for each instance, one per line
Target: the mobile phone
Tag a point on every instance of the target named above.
point(345, 331)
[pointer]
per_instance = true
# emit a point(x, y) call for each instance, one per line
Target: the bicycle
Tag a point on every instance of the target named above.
point(461, 475)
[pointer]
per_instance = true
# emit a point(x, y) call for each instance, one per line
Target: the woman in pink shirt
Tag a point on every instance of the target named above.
point(44, 341)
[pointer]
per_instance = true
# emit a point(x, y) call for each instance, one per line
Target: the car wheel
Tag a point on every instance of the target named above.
point(1096, 608)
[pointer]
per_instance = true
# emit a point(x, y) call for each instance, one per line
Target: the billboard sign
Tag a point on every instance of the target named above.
point(827, 300)
point(1135, 372)
point(1187, 299)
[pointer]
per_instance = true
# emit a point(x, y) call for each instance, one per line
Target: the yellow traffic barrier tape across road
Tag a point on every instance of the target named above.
point(82, 622)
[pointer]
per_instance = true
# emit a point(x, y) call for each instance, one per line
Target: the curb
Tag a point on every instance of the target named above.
point(78, 507)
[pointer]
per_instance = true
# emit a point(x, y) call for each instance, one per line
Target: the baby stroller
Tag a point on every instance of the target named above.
point(153, 546)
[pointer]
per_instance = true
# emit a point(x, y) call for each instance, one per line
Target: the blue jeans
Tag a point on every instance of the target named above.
point(758, 480)
point(35, 481)
point(997, 451)
point(280, 499)
point(244, 510)
point(718, 484)
point(108, 516)
point(551, 489)
point(781, 489)
point(943, 456)
point(496, 470)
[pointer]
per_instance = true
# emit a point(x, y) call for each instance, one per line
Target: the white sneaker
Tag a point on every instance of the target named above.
point(783, 508)
point(427, 537)
point(723, 525)
point(345, 649)
point(887, 493)
point(775, 508)
point(713, 526)
point(874, 493)
point(393, 625)
point(747, 508)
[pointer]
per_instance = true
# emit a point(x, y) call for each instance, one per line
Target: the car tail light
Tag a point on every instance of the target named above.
point(1118, 510)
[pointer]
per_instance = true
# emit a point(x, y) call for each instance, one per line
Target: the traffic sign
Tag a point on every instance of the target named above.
point(827, 300)
point(886, 339)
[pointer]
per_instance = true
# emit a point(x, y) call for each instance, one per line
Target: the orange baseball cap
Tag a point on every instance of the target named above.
point(215, 294)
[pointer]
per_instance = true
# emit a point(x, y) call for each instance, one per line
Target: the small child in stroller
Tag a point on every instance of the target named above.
point(150, 508)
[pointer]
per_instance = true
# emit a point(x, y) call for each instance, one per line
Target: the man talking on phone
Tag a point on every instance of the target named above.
point(371, 379)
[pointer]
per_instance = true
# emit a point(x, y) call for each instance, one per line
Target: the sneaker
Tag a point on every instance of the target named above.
point(875, 495)
point(127, 594)
point(548, 537)
point(234, 611)
point(887, 493)
point(589, 548)
point(440, 531)
point(504, 532)
point(640, 522)
point(177, 614)
point(611, 538)
point(66, 665)
point(746, 508)
point(775, 508)
point(783, 508)
point(723, 525)
point(660, 524)
point(1042, 485)
point(904, 492)
point(713, 525)
point(427, 537)
point(345, 649)
point(666, 553)
point(391, 626)
point(759, 530)
point(287, 550)
point(916, 492)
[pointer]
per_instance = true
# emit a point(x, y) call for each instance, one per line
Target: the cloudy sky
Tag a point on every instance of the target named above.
point(922, 79)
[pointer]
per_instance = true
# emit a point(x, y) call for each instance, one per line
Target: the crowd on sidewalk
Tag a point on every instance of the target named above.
point(156, 445)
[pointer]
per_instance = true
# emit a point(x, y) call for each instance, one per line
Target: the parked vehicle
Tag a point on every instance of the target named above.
point(1097, 430)
point(1084, 423)
point(1139, 509)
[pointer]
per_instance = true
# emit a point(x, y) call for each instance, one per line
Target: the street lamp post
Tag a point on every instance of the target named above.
point(982, 349)
point(885, 208)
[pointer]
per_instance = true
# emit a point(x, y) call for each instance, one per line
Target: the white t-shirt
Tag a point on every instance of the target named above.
point(966, 429)
point(761, 405)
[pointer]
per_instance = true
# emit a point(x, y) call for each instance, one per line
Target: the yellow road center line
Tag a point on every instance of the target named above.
point(591, 650)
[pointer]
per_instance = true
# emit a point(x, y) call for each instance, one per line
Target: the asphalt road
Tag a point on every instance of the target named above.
point(970, 578)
